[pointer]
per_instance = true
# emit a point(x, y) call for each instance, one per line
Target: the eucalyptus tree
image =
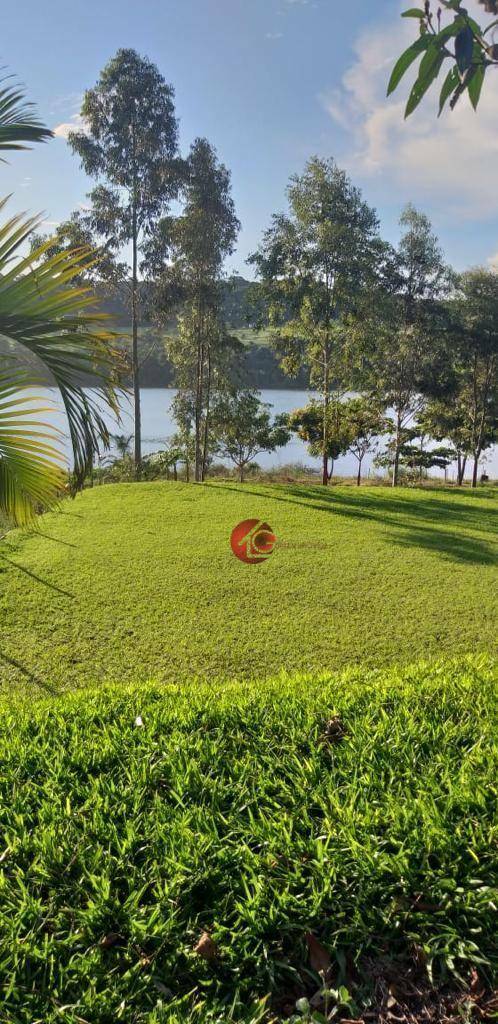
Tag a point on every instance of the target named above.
point(187, 256)
point(313, 264)
point(129, 143)
point(43, 314)
point(475, 397)
point(402, 333)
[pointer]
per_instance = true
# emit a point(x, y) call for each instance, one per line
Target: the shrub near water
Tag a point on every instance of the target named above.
point(233, 809)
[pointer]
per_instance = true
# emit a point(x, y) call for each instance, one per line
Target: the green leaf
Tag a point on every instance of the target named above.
point(414, 12)
point(406, 60)
point(429, 70)
point(451, 83)
point(464, 48)
point(475, 85)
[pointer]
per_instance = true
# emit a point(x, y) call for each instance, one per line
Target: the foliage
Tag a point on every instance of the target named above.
point(323, 430)
point(313, 264)
point(400, 337)
point(41, 312)
point(462, 41)
point(18, 121)
point(136, 819)
point(139, 582)
point(187, 256)
point(365, 422)
point(243, 429)
point(129, 143)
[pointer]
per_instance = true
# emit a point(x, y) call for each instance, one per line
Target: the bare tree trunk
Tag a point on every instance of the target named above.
point(135, 364)
point(462, 463)
point(198, 404)
point(396, 450)
point(358, 478)
point(206, 421)
point(325, 458)
point(241, 474)
point(187, 470)
point(475, 469)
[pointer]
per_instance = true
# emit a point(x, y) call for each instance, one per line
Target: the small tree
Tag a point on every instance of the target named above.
point(308, 424)
point(130, 143)
point(365, 423)
point(243, 428)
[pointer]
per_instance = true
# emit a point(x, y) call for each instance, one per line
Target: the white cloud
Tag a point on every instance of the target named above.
point(493, 261)
point(453, 157)
point(77, 123)
point(274, 35)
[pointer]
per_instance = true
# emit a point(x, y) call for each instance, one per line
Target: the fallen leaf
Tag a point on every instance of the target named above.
point(206, 947)
point(138, 720)
point(319, 956)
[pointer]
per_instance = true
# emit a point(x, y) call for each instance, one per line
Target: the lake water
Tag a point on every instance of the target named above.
point(158, 425)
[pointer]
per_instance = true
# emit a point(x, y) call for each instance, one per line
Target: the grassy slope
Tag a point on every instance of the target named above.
point(134, 582)
point(226, 811)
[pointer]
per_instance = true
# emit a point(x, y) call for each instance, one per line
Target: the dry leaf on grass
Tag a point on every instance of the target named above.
point(206, 947)
point(319, 956)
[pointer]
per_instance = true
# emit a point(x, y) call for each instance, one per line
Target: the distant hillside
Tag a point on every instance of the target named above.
point(260, 366)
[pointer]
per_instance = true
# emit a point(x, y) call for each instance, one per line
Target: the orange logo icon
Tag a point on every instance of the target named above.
point(252, 541)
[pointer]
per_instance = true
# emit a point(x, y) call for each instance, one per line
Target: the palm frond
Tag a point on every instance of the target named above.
point(44, 313)
point(18, 122)
point(31, 463)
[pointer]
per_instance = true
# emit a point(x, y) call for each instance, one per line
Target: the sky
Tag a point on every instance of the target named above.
point(270, 83)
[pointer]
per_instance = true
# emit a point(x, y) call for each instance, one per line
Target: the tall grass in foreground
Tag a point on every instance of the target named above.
point(360, 808)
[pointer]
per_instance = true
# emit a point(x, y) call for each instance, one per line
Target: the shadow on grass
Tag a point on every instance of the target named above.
point(33, 576)
point(399, 513)
point(28, 674)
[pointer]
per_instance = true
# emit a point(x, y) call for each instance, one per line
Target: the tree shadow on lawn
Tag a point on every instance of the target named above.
point(449, 545)
point(33, 678)
point(33, 576)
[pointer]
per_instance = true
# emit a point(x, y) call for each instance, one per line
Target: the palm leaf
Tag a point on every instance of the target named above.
point(31, 473)
point(18, 123)
point(41, 311)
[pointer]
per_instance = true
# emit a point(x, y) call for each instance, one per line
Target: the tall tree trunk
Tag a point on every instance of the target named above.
point(206, 420)
point(396, 450)
point(358, 478)
point(241, 474)
point(135, 364)
point(477, 456)
point(187, 470)
point(198, 402)
point(326, 399)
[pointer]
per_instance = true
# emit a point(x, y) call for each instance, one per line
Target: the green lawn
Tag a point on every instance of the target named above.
point(137, 582)
point(360, 808)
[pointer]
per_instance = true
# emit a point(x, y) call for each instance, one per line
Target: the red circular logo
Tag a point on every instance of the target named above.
point(252, 541)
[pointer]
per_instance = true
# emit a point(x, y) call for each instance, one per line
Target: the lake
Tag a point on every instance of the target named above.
point(158, 425)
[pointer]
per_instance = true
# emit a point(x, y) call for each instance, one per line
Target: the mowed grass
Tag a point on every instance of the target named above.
point(134, 582)
point(244, 811)
point(137, 582)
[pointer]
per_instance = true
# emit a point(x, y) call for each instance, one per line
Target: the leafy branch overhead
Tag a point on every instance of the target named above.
point(461, 47)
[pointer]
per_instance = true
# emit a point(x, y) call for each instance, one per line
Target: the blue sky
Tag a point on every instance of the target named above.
point(269, 82)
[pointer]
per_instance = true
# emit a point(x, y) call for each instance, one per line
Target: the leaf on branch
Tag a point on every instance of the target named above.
point(430, 67)
point(464, 49)
point(406, 60)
